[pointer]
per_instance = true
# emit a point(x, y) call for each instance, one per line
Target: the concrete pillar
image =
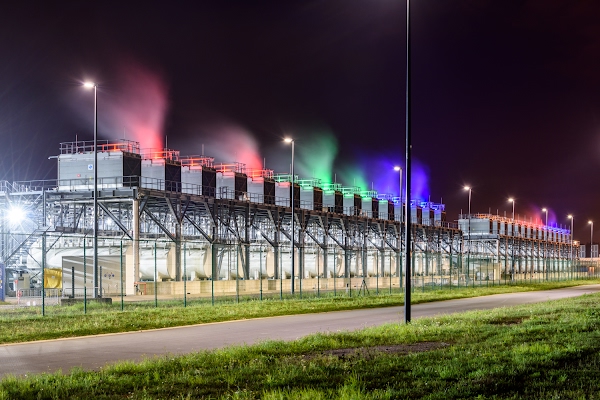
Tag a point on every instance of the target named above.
point(132, 274)
point(276, 266)
point(301, 255)
point(325, 268)
point(178, 251)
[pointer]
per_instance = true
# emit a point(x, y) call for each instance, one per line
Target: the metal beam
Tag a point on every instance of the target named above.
point(115, 220)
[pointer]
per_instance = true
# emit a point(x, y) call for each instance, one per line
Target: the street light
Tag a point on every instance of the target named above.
point(591, 236)
point(399, 170)
point(290, 140)
point(469, 248)
point(93, 85)
point(469, 189)
point(407, 165)
point(511, 200)
point(546, 211)
point(571, 252)
point(546, 243)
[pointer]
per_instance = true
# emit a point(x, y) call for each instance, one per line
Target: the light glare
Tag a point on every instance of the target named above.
point(288, 140)
point(16, 215)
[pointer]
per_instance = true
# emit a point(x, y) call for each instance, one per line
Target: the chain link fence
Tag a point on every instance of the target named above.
point(54, 273)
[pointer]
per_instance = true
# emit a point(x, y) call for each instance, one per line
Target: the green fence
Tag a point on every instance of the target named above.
point(49, 272)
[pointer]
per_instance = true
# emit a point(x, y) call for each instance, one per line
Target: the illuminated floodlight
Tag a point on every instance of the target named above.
point(511, 200)
point(467, 187)
point(397, 168)
point(288, 140)
point(544, 209)
point(16, 215)
point(89, 85)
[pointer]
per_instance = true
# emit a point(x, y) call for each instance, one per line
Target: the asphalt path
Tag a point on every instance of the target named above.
point(94, 352)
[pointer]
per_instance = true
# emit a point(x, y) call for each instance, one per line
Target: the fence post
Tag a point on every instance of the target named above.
point(260, 269)
point(184, 276)
point(84, 275)
point(43, 274)
point(155, 277)
point(121, 254)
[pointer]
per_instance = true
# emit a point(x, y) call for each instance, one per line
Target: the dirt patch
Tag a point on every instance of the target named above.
point(507, 321)
point(370, 352)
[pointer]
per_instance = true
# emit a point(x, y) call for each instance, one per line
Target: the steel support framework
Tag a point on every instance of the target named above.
point(340, 245)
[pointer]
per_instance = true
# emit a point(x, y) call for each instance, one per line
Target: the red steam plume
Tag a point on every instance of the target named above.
point(136, 108)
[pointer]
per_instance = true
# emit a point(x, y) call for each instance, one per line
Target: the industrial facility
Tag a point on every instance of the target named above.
point(219, 227)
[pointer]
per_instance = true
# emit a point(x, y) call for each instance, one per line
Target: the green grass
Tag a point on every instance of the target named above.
point(548, 350)
point(22, 325)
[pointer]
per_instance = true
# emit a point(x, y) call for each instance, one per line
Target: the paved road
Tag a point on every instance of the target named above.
point(93, 352)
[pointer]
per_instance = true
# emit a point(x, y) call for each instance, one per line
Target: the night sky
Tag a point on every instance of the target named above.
point(505, 94)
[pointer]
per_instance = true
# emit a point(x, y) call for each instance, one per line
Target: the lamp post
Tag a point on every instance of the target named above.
point(571, 250)
point(408, 158)
point(402, 213)
point(512, 200)
point(469, 236)
point(546, 244)
point(93, 85)
point(399, 170)
point(290, 140)
point(591, 236)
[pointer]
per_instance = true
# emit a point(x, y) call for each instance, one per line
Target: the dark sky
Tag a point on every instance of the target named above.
point(505, 94)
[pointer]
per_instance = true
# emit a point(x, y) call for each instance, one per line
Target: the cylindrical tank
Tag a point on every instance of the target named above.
point(157, 258)
point(198, 261)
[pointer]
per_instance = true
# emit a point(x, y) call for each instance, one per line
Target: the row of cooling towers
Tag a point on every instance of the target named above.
point(122, 163)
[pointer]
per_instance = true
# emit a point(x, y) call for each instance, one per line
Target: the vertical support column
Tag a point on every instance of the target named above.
point(276, 266)
point(246, 245)
point(347, 258)
point(246, 265)
point(325, 268)
point(399, 257)
point(214, 273)
point(365, 266)
point(178, 250)
point(214, 270)
point(382, 267)
point(301, 256)
point(44, 273)
point(133, 271)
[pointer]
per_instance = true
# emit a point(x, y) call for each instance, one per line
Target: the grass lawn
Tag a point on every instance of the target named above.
point(543, 351)
point(21, 325)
